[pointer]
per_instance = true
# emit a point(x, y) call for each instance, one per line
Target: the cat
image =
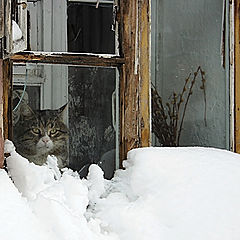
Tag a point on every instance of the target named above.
point(39, 133)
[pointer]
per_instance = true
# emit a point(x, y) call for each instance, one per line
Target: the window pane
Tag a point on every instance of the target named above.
point(89, 28)
point(92, 96)
point(91, 115)
point(71, 26)
point(187, 35)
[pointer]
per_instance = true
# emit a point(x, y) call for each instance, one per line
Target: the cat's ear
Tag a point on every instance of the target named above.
point(26, 111)
point(62, 111)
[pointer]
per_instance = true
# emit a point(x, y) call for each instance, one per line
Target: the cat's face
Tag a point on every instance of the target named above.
point(40, 132)
point(48, 130)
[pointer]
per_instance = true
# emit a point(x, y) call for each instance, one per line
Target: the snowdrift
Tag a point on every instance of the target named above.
point(163, 193)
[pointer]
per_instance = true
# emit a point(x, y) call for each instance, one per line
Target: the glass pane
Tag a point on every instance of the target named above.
point(187, 34)
point(90, 28)
point(71, 26)
point(90, 116)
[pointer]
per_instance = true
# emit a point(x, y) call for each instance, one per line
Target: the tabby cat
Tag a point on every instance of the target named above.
point(40, 133)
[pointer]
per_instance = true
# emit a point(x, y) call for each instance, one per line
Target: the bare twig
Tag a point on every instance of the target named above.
point(205, 96)
point(166, 119)
point(181, 99)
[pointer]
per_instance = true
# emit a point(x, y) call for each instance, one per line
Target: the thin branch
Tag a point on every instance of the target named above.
point(205, 96)
point(181, 100)
point(165, 120)
point(186, 103)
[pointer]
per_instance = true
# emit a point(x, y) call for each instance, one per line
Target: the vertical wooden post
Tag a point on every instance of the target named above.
point(5, 114)
point(135, 85)
point(144, 73)
point(1, 18)
point(1, 114)
point(7, 98)
point(237, 73)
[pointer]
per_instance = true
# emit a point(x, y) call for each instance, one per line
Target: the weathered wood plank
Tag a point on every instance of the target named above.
point(1, 116)
point(68, 58)
point(5, 105)
point(135, 97)
point(237, 75)
point(144, 74)
point(231, 76)
point(8, 26)
point(129, 84)
point(7, 99)
point(1, 18)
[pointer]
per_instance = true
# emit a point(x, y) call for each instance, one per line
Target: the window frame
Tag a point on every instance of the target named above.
point(133, 63)
point(6, 26)
point(235, 74)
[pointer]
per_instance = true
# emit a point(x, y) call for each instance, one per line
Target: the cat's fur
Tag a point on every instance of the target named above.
point(38, 134)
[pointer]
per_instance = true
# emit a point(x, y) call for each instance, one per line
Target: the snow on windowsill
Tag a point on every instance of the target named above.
point(40, 53)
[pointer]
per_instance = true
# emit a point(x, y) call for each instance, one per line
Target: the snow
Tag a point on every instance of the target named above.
point(163, 193)
point(16, 32)
point(105, 56)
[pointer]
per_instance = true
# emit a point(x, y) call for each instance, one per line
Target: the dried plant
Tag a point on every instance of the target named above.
point(167, 119)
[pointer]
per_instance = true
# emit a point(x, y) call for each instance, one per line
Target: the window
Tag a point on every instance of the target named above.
point(68, 52)
point(92, 117)
point(188, 35)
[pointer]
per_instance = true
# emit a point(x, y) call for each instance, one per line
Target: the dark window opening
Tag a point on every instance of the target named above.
point(90, 28)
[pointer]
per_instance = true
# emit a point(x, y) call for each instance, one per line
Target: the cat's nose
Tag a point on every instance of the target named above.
point(45, 139)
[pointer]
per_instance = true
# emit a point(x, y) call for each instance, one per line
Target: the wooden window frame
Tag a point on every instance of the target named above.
point(235, 71)
point(234, 74)
point(133, 64)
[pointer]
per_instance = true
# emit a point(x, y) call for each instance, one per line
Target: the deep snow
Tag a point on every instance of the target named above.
point(164, 193)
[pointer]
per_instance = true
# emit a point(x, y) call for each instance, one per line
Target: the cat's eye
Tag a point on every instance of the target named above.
point(53, 131)
point(36, 130)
